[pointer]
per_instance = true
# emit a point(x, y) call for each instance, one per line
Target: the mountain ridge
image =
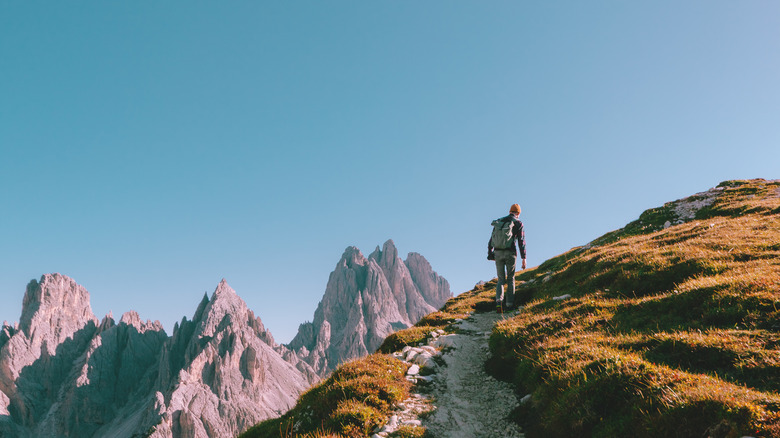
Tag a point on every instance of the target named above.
point(63, 372)
point(366, 299)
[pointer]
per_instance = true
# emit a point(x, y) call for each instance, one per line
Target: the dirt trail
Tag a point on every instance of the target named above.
point(469, 402)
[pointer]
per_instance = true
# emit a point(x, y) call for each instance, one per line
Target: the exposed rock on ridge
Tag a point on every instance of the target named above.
point(231, 374)
point(63, 374)
point(365, 300)
point(55, 327)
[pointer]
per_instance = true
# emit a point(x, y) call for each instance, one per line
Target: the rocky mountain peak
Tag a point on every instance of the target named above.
point(225, 305)
point(201, 307)
point(386, 256)
point(54, 292)
point(65, 375)
point(223, 288)
point(53, 309)
point(221, 363)
point(389, 251)
point(352, 257)
point(107, 322)
point(132, 319)
point(365, 300)
point(434, 288)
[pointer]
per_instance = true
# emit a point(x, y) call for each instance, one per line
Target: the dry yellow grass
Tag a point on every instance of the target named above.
point(670, 331)
point(356, 398)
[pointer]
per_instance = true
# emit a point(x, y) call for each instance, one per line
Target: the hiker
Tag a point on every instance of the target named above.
point(501, 248)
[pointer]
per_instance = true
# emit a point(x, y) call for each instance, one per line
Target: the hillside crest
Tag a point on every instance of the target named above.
point(666, 327)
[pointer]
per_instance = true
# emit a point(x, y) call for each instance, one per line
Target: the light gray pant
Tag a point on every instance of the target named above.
point(506, 263)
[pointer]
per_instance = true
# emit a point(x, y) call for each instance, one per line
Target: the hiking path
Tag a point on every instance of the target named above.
point(466, 401)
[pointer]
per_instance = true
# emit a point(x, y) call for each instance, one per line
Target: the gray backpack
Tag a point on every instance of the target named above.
point(502, 237)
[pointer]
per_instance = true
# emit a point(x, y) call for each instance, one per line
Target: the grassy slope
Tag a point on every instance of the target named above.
point(351, 402)
point(670, 332)
point(361, 394)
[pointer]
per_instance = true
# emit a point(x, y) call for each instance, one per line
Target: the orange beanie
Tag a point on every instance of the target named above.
point(514, 209)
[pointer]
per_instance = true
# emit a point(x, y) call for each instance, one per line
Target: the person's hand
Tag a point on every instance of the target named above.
point(523, 263)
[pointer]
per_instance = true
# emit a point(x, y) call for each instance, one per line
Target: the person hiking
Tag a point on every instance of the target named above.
point(501, 248)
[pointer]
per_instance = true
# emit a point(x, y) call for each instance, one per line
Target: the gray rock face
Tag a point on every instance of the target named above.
point(225, 372)
point(55, 328)
point(434, 289)
point(116, 367)
point(365, 300)
point(62, 374)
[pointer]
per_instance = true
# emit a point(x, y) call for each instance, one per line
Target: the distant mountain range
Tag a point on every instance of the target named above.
point(367, 299)
point(64, 373)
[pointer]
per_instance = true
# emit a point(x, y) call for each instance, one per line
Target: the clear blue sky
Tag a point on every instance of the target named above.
point(151, 148)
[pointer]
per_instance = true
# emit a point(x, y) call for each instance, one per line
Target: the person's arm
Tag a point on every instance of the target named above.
point(521, 242)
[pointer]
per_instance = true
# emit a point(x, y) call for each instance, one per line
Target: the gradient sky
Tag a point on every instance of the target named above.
point(150, 148)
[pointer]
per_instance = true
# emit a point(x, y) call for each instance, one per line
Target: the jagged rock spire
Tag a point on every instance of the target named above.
point(62, 374)
point(225, 352)
point(365, 300)
point(53, 309)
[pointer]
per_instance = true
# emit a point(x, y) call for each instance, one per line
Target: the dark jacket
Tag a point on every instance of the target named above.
point(518, 234)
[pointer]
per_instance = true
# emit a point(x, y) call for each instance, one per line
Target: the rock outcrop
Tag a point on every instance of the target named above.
point(64, 374)
point(56, 327)
point(224, 371)
point(365, 300)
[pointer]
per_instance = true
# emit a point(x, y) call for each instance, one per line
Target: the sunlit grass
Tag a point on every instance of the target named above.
point(357, 397)
point(360, 394)
point(670, 331)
